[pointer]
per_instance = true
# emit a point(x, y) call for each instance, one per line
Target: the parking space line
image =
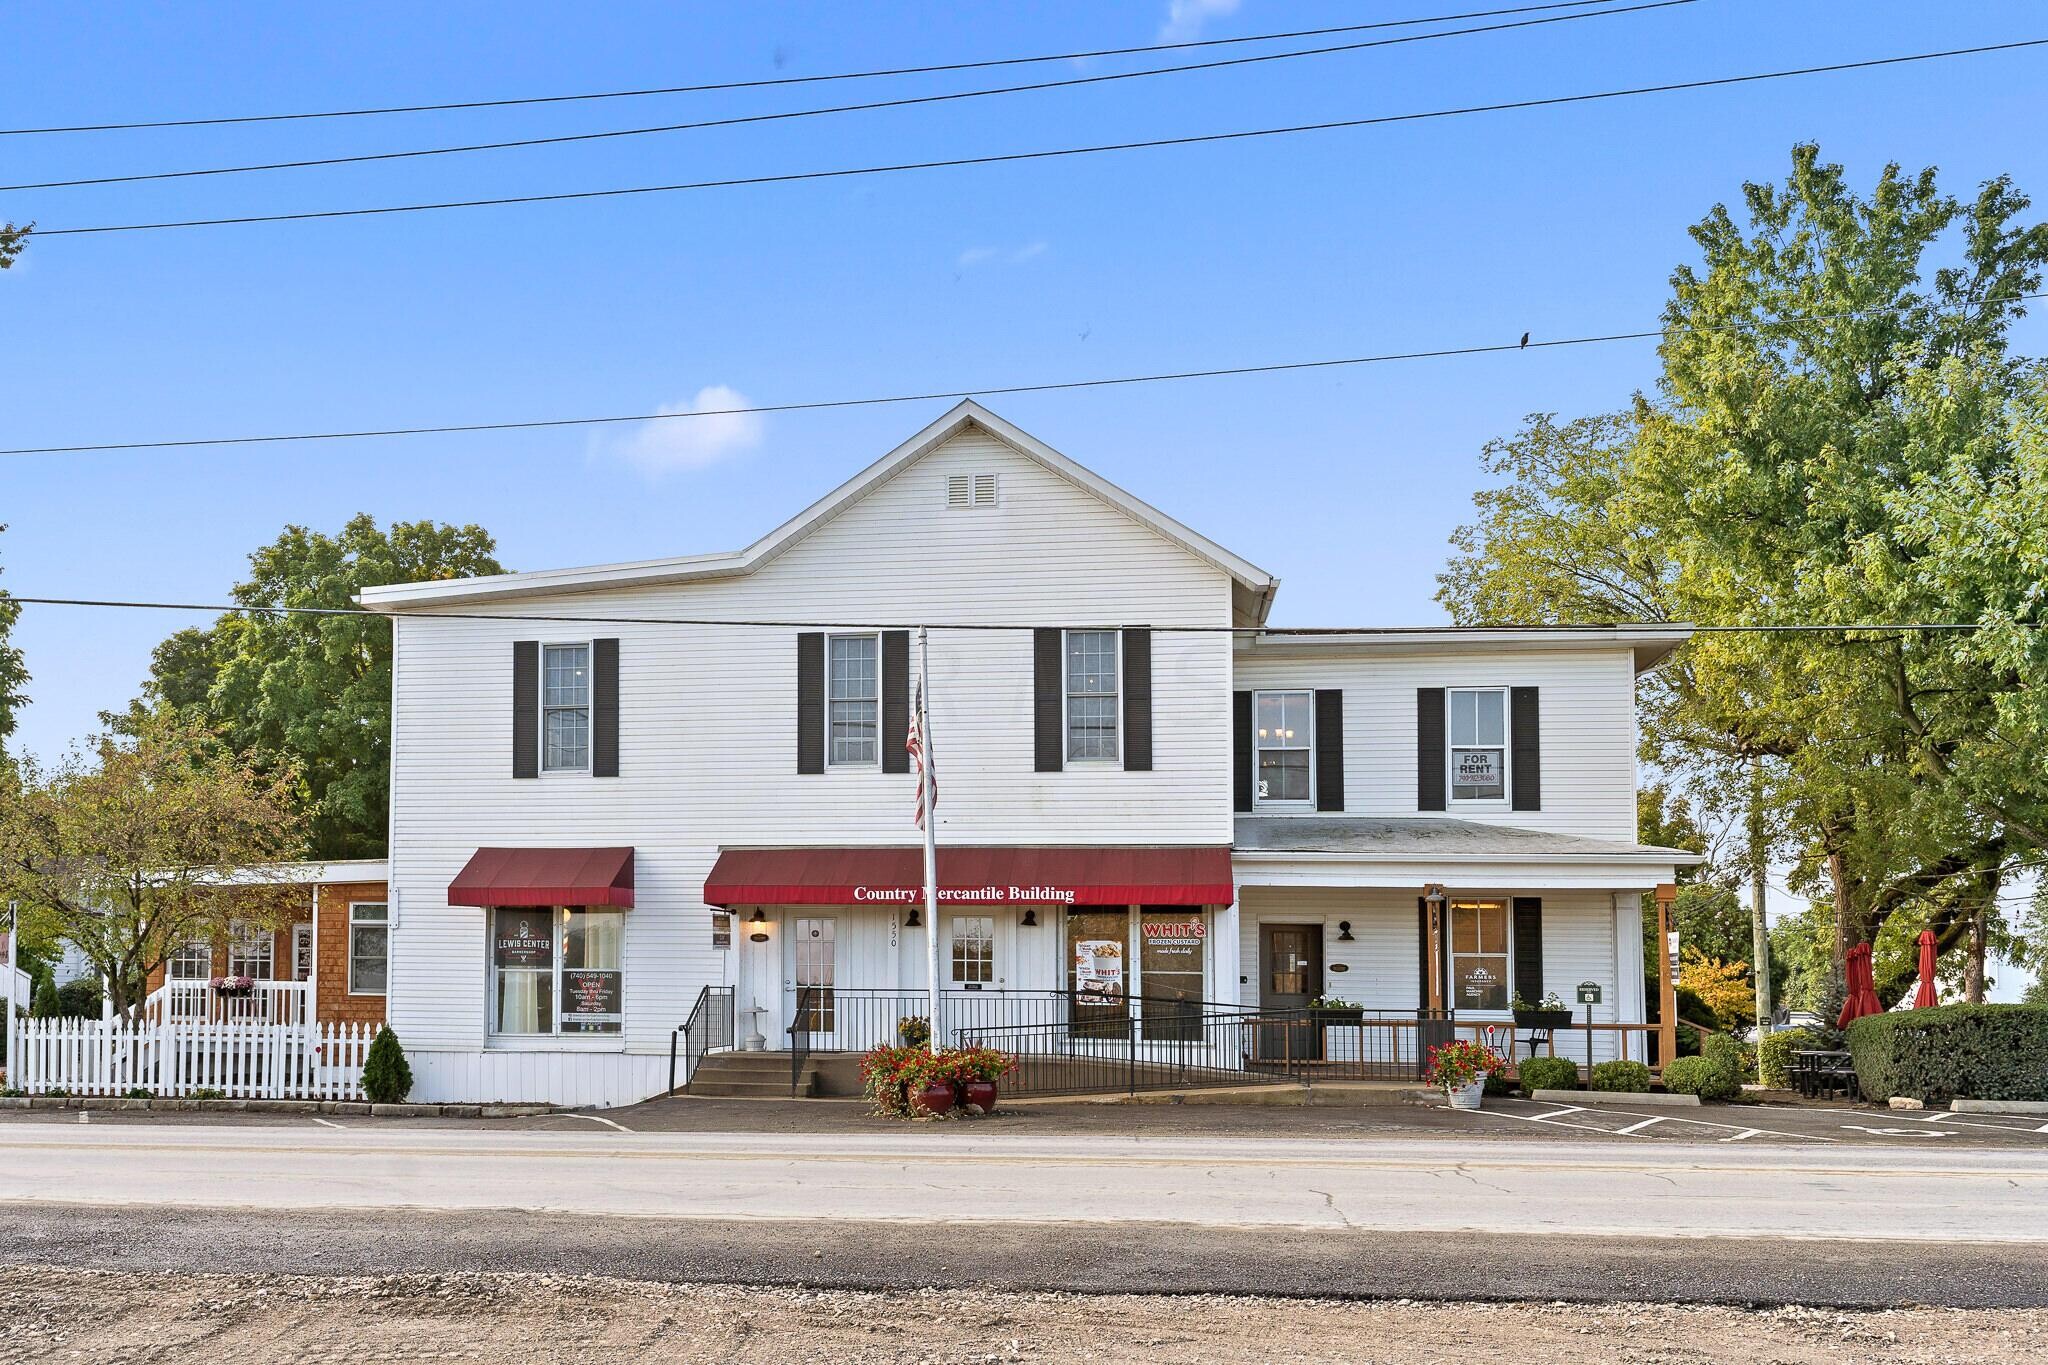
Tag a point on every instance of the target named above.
point(324, 1123)
point(1549, 1120)
point(1743, 1135)
point(2023, 1128)
point(1638, 1127)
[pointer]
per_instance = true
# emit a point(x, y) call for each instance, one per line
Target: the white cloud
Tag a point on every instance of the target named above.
point(983, 255)
point(682, 443)
point(1185, 19)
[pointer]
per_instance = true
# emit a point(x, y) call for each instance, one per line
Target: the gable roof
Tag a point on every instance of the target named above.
point(1253, 587)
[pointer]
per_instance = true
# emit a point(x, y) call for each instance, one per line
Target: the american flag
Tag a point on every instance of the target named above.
point(922, 761)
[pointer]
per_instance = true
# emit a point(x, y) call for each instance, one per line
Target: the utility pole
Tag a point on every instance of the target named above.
point(1759, 927)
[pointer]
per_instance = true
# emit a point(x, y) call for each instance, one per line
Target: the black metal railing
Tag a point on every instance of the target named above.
point(838, 1019)
point(708, 1026)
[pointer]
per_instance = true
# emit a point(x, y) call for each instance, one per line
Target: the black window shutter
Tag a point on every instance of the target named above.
point(1241, 751)
point(1429, 748)
point(1137, 699)
point(895, 700)
point(1528, 980)
point(1329, 748)
point(1422, 952)
point(810, 702)
point(526, 708)
point(1526, 749)
point(604, 708)
point(1048, 702)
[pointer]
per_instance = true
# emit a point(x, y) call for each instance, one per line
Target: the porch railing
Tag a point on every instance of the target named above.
point(233, 1059)
point(708, 1027)
point(267, 1002)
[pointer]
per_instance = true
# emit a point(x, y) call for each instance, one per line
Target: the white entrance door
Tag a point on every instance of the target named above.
point(814, 966)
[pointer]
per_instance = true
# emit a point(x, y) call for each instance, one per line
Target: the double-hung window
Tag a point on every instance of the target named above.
point(974, 950)
point(249, 952)
point(369, 947)
point(853, 673)
point(1092, 693)
point(1284, 737)
point(557, 971)
point(1479, 744)
point(192, 962)
point(565, 708)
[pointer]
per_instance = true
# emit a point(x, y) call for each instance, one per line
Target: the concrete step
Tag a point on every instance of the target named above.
point(751, 1074)
point(729, 1088)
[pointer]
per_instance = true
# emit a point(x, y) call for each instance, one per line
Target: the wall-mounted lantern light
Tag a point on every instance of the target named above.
point(913, 919)
point(1344, 931)
point(1031, 919)
point(757, 928)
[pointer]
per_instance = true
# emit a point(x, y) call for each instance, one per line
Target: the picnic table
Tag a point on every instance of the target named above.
point(1817, 1072)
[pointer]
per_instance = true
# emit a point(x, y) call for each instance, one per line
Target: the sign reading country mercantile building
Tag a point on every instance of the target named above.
point(977, 895)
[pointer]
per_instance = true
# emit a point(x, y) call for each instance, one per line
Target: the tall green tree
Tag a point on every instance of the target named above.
point(12, 240)
point(1836, 405)
point(13, 668)
point(314, 692)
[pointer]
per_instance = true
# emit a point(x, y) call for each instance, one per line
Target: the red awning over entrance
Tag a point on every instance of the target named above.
point(982, 875)
point(545, 876)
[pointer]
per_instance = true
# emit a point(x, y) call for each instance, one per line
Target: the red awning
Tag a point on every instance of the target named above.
point(545, 876)
point(972, 875)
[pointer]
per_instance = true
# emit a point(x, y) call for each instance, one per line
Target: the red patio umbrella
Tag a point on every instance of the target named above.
point(1924, 997)
point(1862, 987)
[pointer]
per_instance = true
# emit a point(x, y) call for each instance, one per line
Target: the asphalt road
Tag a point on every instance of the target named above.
point(1522, 1201)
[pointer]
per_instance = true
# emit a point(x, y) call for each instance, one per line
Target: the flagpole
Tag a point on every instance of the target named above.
point(931, 840)
point(13, 979)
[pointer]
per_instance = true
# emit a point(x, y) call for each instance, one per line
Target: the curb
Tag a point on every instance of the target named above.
point(1999, 1106)
point(358, 1108)
point(1626, 1099)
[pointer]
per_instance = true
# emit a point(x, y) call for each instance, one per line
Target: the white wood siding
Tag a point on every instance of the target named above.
point(1588, 728)
point(708, 730)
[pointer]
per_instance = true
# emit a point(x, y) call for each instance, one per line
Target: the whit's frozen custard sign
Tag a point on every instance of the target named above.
point(1098, 966)
point(975, 895)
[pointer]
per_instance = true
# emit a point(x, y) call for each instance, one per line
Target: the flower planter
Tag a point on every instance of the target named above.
point(933, 1099)
point(1325, 1015)
point(1467, 1096)
point(1544, 1019)
point(980, 1096)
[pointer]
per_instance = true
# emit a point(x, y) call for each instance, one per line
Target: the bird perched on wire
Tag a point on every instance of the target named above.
point(1525, 341)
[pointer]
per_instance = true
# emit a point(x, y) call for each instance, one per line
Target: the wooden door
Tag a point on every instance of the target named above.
point(1290, 976)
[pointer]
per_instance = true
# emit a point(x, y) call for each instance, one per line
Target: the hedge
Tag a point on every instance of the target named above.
point(1624, 1077)
point(387, 1076)
point(1549, 1073)
point(1978, 1052)
point(1774, 1054)
point(1702, 1076)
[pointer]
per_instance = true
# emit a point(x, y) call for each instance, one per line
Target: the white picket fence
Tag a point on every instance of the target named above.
point(173, 1059)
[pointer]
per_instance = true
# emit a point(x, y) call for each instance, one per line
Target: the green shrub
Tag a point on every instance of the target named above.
point(1978, 1052)
point(43, 1001)
point(1731, 1053)
point(1774, 1055)
point(1701, 1076)
point(1497, 1083)
point(1549, 1073)
point(1627, 1077)
point(207, 1092)
point(139, 1092)
point(387, 1076)
point(79, 999)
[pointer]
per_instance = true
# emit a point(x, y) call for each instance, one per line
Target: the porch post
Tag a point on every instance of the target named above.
point(1433, 897)
point(1667, 992)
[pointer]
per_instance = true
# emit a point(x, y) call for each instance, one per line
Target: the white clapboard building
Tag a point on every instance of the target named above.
point(636, 796)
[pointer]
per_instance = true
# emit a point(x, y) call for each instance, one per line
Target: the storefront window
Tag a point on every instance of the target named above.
point(557, 971)
point(1171, 945)
point(1479, 955)
point(1098, 956)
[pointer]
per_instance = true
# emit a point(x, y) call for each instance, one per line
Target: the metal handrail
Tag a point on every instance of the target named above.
point(699, 1031)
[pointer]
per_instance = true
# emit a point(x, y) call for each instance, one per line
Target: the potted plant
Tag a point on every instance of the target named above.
point(885, 1076)
point(1550, 1013)
point(933, 1089)
point(915, 1030)
point(979, 1068)
point(1460, 1068)
point(1330, 1009)
point(235, 986)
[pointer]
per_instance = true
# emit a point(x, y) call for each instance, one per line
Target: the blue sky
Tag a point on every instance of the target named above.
point(1346, 483)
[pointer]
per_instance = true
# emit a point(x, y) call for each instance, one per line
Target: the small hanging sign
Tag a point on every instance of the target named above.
point(1589, 992)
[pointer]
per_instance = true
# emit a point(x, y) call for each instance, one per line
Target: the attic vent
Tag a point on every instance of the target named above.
point(970, 490)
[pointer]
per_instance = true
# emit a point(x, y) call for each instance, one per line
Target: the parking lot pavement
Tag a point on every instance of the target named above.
point(1503, 1119)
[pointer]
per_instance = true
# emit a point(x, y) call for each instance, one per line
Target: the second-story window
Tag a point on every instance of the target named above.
point(1091, 694)
point(1284, 736)
point(565, 708)
point(853, 674)
point(1479, 744)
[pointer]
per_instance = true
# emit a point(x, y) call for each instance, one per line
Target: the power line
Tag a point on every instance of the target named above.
point(796, 80)
point(1362, 632)
point(899, 103)
point(1042, 155)
point(999, 391)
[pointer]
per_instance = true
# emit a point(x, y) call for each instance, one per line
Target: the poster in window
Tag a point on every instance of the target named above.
point(1477, 768)
point(590, 1000)
point(524, 938)
point(1482, 983)
point(1098, 966)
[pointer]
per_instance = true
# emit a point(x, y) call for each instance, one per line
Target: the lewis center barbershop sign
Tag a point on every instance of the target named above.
point(975, 895)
